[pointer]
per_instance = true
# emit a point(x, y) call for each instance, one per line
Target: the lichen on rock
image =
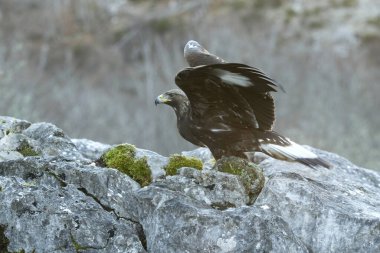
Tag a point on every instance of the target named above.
point(17, 142)
point(123, 158)
point(250, 175)
point(178, 161)
point(26, 149)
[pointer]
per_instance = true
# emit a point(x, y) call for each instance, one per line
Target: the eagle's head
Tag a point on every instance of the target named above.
point(172, 97)
point(197, 55)
point(192, 47)
point(175, 98)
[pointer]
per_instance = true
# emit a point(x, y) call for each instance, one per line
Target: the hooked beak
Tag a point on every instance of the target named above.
point(161, 99)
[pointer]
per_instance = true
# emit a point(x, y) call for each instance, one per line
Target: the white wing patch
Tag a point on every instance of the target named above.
point(232, 78)
point(222, 128)
point(292, 152)
point(219, 130)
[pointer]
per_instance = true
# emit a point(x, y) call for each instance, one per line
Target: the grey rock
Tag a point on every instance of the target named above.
point(112, 189)
point(176, 223)
point(216, 189)
point(6, 155)
point(43, 138)
point(11, 125)
point(46, 219)
point(93, 150)
point(155, 161)
point(204, 154)
point(90, 149)
point(58, 201)
point(52, 141)
point(335, 210)
point(19, 143)
point(12, 141)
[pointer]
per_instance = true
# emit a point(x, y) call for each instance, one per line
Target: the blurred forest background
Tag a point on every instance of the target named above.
point(94, 67)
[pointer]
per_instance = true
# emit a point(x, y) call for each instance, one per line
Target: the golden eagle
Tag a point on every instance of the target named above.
point(227, 108)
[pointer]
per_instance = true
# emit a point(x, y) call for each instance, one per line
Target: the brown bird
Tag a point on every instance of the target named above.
point(225, 107)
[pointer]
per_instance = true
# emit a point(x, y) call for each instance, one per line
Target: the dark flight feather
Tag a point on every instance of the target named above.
point(197, 55)
point(208, 84)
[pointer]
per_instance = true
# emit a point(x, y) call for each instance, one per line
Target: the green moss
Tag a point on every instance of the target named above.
point(230, 166)
point(26, 150)
point(250, 175)
point(122, 158)
point(3, 240)
point(179, 161)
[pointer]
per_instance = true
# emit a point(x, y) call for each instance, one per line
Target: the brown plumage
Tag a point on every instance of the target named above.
point(197, 55)
point(226, 107)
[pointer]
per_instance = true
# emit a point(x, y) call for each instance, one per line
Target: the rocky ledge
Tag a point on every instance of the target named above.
point(55, 196)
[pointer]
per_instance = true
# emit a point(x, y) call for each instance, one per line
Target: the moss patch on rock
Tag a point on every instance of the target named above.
point(123, 158)
point(179, 161)
point(230, 165)
point(26, 150)
point(250, 175)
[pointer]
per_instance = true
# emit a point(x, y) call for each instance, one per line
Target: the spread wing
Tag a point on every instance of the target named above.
point(236, 94)
point(254, 86)
point(214, 103)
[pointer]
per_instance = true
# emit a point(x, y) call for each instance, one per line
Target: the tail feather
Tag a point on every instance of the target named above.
point(293, 152)
point(314, 162)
